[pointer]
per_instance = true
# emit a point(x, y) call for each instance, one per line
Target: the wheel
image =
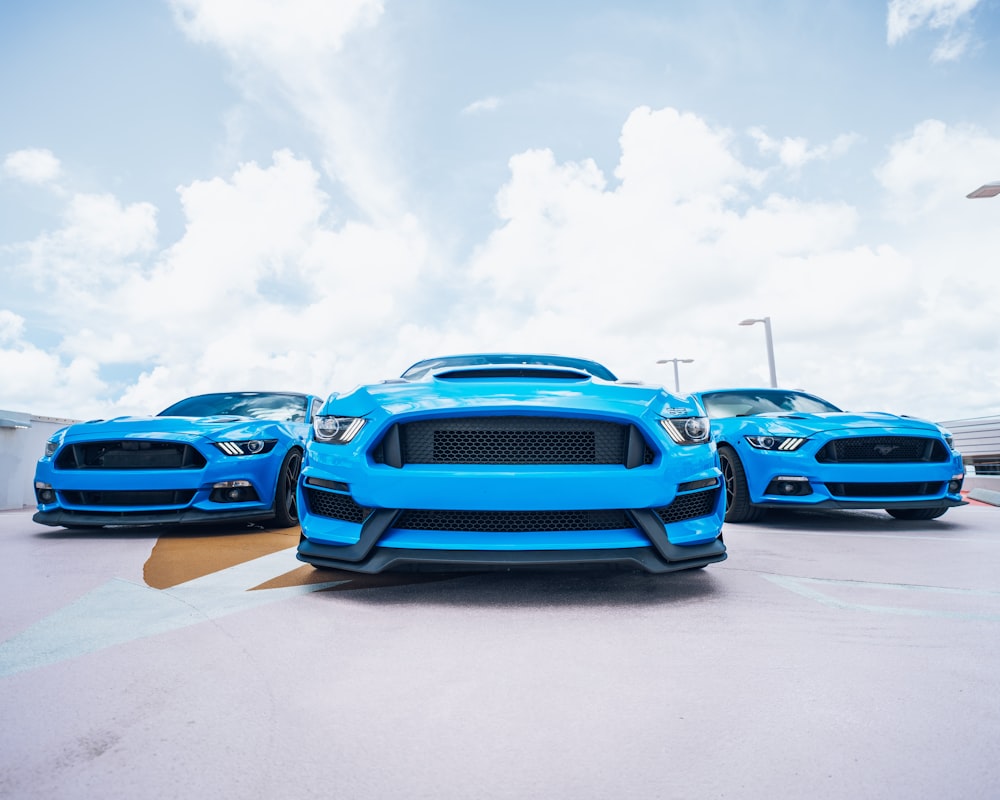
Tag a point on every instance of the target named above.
point(286, 507)
point(916, 513)
point(738, 505)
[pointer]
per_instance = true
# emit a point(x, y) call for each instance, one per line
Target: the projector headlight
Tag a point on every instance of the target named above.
point(783, 443)
point(687, 430)
point(336, 430)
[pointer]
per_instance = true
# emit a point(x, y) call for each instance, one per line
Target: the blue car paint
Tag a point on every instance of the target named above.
point(762, 467)
point(352, 474)
point(201, 433)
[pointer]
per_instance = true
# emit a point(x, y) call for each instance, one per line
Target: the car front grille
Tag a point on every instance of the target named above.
point(513, 440)
point(130, 454)
point(689, 506)
point(160, 497)
point(916, 489)
point(883, 449)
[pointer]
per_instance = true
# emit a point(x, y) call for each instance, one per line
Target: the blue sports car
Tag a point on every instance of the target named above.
point(233, 456)
point(508, 459)
point(788, 449)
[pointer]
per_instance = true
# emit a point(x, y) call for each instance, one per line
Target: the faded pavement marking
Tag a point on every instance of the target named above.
point(122, 611)
point(820, 590)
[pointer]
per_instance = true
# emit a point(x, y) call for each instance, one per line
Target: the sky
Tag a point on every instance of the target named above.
point(307, 195)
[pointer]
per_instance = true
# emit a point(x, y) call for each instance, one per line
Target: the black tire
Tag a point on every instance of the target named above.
point(286, 505)
point(738, 505)
point(916, 513)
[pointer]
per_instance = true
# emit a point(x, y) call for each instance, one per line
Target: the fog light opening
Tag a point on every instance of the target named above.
point(233, 492)
point(789, 486)
point(45, 493)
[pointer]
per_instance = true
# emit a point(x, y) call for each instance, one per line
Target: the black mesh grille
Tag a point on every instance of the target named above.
point(162, 497)
point(130, 454)
point(883, 449)
point(517, 440)
point(513, 521)
point(689, 506)
point(884, 489)
point(335, 506)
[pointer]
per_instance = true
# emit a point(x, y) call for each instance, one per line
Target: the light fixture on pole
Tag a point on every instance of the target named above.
point(770, 345)
point(675, 362)
point(986, 190)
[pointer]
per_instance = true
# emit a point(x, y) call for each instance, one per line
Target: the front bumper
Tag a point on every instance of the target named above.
point(658, 556)
point(191, 516)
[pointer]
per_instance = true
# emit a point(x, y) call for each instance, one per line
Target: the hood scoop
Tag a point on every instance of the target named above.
point(503, 372)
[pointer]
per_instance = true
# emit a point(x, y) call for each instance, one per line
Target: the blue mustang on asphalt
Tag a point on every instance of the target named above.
point(789, 449)
point(232, 456)
point(510, 459)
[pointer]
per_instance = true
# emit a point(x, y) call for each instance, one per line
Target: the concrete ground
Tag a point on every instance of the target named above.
point(834, 655)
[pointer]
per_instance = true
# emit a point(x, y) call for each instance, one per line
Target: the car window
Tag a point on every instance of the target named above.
point(720, 405)
point(258, 405)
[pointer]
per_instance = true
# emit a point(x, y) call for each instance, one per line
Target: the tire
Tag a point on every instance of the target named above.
point(286, 506)
point(738, 505)
point(916, 513)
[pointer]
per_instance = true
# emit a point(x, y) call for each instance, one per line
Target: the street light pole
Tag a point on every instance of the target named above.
point(675, 361)
point(770, 345)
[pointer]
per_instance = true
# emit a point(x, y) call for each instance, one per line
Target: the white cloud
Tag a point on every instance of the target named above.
point(907, 16)
point(297, 53)
point(34, 165)
point(11, 326)
point(935, 166)
point(268, 289)
point(481, 106)
point(795, 152)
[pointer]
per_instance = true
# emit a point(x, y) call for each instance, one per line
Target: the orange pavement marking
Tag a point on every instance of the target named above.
point(178, 558)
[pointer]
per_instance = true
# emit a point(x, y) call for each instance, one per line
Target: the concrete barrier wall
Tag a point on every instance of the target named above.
point(22, 442)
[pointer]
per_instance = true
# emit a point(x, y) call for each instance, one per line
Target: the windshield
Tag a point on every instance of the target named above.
point(421, 368)
point(276, 406)
point(746, 403)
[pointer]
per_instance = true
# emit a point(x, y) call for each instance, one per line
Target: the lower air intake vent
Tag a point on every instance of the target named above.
point(689, 506)
point(513, 521)
point(126, 498)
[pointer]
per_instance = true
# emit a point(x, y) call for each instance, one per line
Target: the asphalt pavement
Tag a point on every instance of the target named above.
point(833, 655)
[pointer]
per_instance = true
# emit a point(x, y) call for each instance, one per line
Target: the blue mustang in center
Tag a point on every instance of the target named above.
point(507, 459)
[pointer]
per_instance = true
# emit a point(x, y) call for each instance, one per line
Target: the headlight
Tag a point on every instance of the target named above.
point(784, 443)
point(250, 447)
point(687, 430)
point(51, 446)
point(336, 430)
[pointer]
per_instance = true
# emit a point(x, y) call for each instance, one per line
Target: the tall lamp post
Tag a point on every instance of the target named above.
point(675, 362)
point(770, 345)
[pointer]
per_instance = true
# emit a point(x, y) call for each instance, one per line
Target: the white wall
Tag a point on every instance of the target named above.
point(22, 441)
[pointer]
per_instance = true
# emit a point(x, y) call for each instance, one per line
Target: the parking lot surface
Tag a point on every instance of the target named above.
point(833, 655)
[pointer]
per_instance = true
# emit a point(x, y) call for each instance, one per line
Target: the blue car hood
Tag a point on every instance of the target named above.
point(801, 424)
point(168, 428)
point(404, 397)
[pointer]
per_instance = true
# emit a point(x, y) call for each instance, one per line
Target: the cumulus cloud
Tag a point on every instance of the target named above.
point(946, 16)
point(33, 165)
point(934, 165)
point(795, 152)
point(296, 53)
point(269, 288)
